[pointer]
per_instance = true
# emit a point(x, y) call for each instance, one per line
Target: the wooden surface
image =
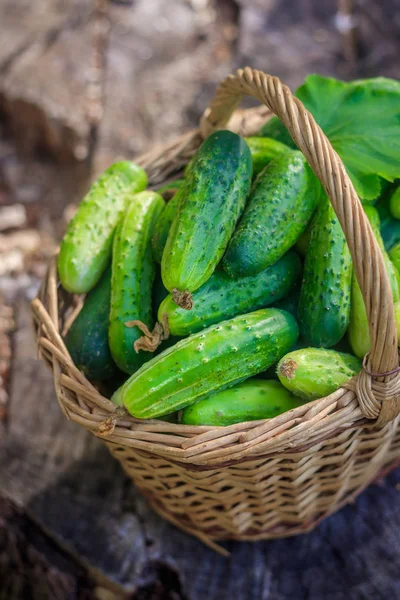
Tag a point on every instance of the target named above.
point(82, 83)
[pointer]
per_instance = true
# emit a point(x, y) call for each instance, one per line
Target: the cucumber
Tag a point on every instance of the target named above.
point(132, 279)
point(222, 298)
point(87, 338)
point(280, 206)
point(324, 309)
point(211, 204)
point(163, 225)
point(263, 150)
point(358, 332)
point(85, 250)
point(208, 362)
point(160, 292)
point(247, 401)
point(394, 203)
point(313, 373)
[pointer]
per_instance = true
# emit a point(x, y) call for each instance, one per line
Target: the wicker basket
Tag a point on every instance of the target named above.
point(262, 479)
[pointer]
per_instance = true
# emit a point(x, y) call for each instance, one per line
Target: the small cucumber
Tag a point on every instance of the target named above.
point(87, 338)
point(213, 199)
point(358, 332)
point(394, 203)
point(86, 248)
point(222, 298)
point(163, 225)
point(207, 362)
point(263, 150)
point(247, 401)
point(280, 206)
point(132, 279)
point(313, 373)
point(324, 310)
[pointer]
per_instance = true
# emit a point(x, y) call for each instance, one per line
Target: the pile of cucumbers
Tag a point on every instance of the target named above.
point(233, 300)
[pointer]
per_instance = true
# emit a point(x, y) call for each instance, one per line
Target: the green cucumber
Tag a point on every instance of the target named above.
point(394, 203)
point(87, 338)
point(222, 297)
point(313, 373)
point(280, 206)
point(132, 279)
point(163, 225)
point(324, 309)
point(247, 401)
point(160, 292)
point(358, 332)
point(85, 250)
point(207, 362)
point(263, 150)
point(213, 199)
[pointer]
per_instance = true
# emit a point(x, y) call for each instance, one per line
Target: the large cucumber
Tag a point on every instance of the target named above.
point(280, 206)
point(358, 332)
point(212, 202)
point(263, 150)
point(222, 297)
point(324, 310)
point(207, 362)
point(132, 279)
point(87, 338)
point(247, 401)
point(163, 225)
point(86, 248)
point(313, 373)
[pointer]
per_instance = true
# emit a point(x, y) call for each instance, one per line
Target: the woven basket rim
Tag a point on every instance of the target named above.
point(363, 400)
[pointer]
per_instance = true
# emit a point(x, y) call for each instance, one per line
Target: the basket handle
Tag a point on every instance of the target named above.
point(379, 397)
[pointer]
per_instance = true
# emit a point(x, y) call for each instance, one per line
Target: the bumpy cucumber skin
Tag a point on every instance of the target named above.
point(324, 309)
point(394, 204)
point(86, 248)
point(208, 362)
point(87, 338)
point(263, 150)
point(221, 297)
point(163, 225)
point(212, 202)
point(313, 373)
point(132, 279)
point(247, 401)
point(280, 206)
point(358, 332)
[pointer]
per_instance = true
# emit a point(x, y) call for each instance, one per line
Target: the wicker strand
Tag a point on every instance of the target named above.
point(367, 257)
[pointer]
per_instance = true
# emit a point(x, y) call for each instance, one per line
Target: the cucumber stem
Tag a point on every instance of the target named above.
point(182, 299)
point(150, 341)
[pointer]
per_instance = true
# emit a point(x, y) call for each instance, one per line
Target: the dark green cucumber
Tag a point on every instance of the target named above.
point(163, 225)
point(324, 310)
point(213, 199)
point(86, 248)
point(247, 401)
point(358, 332)
point(313, 373)
point(280, 206)
point(207, 362)
point(132, 279)
point(394, 204)
point(221, 297)
point(87, 338)
point(263, 150)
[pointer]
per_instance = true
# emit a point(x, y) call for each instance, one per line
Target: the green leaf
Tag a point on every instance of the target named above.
point(362, 122)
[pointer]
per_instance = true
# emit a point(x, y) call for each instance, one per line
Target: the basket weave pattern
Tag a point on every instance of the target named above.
point(261, 479)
